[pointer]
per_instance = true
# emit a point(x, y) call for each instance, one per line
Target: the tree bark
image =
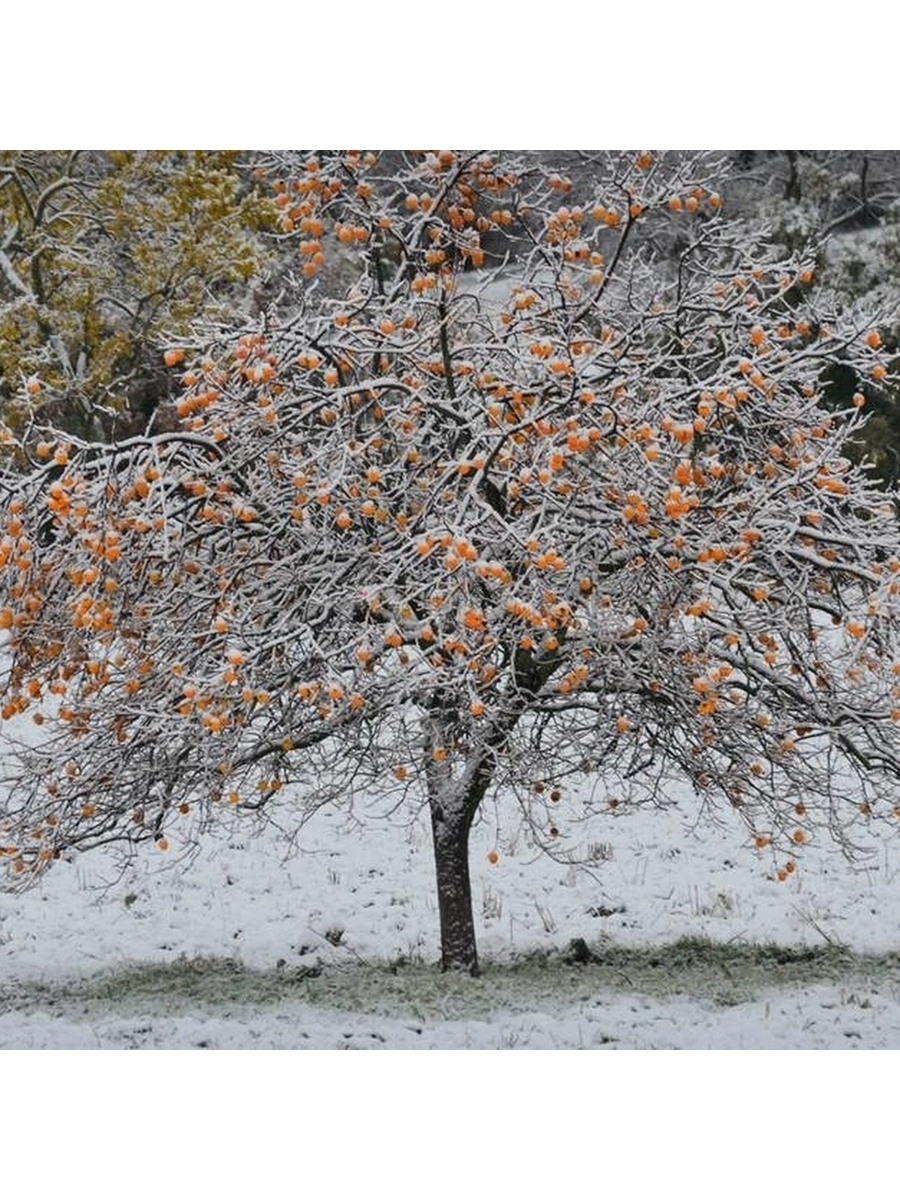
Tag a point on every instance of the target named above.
point(454, 803)
point(450, 836)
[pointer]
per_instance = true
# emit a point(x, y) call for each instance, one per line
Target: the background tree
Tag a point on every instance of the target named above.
point(818, 193)
point(459, 530)
point(104, 257)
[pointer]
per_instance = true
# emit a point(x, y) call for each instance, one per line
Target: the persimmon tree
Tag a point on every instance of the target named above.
point(525, 501)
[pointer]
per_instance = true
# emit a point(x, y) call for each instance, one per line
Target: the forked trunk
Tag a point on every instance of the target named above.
point(450, 836)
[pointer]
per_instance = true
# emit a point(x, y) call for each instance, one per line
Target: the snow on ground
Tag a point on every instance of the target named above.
point(355, 903)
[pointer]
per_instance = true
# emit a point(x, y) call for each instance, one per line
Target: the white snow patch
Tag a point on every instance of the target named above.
point(354, 896)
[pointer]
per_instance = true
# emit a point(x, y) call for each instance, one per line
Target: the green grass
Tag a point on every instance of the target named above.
point(722, 973)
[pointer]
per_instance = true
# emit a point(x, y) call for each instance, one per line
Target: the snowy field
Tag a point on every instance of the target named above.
point(335, 946)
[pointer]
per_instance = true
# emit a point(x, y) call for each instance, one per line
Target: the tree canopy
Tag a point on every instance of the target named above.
point(104, 257)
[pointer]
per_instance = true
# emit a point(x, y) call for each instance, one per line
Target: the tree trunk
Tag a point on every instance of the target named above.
point(450, 835)
point(454, 801)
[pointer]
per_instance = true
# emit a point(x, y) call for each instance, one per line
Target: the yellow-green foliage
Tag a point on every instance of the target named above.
point(107, 256)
